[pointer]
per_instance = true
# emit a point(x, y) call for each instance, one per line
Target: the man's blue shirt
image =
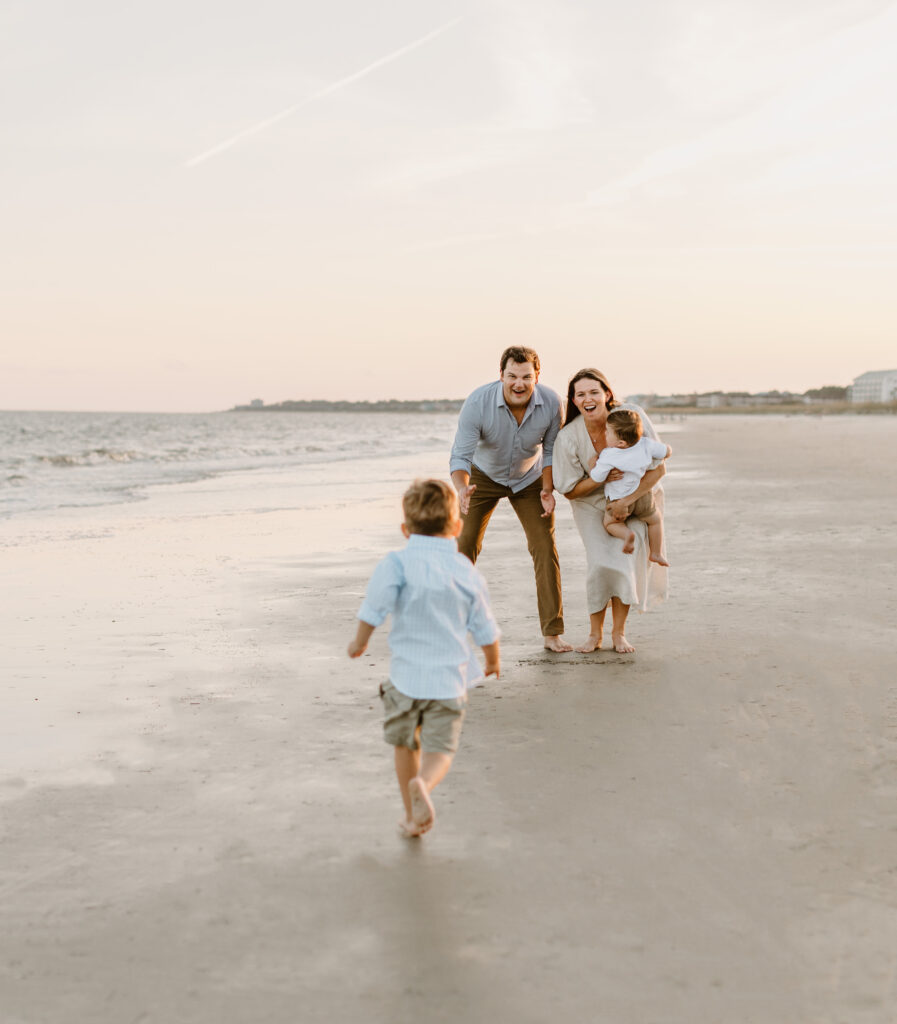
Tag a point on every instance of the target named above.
point(489, 437)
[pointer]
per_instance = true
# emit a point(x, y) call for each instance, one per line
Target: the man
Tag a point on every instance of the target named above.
point(502, 449)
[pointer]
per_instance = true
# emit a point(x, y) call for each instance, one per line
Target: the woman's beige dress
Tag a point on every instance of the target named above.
point(610, 573)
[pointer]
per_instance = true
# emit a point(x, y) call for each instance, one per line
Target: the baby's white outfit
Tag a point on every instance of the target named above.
point(632, 461)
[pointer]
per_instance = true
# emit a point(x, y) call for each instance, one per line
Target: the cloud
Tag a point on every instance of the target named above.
point(328, 90)
point(834, 118)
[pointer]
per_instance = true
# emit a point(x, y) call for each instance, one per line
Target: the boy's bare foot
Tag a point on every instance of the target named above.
point(423, 814)
point(629, 544)
point(556, 644)
point(622, 645)
point(408, 830)
point(593, 643)
point(657, 558)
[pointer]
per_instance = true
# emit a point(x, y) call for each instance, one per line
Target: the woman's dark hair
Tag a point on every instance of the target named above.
point(590, 374)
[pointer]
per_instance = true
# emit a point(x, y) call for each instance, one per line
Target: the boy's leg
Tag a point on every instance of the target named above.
point(482, 505)
point(654, 523)
point(433, 769)
point(407, 766)
point(617, 529)
point(440, 733)
point(401, 728)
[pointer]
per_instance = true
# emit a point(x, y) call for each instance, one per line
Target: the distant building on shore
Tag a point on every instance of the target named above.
point(718, 400)
point(875, 386)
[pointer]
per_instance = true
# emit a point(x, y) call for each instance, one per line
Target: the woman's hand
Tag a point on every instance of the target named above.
point(614, 475)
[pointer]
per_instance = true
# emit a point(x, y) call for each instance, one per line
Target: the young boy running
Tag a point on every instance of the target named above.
point(436, 597)
point(631, 453)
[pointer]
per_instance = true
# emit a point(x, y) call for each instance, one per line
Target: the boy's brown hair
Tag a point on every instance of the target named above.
point(627, 425)
point(430, 507)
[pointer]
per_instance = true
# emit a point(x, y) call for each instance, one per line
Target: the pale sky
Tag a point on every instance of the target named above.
point(207, 202)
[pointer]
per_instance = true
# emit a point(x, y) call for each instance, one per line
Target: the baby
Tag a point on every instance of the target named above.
point(632, 454)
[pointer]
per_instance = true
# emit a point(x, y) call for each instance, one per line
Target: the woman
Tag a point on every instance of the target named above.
point(612, 577)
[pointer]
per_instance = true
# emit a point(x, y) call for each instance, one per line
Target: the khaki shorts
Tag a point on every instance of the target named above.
point(642, 509)
point(439, 721)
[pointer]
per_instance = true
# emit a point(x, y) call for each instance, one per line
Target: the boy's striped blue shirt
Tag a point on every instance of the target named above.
point(436, 598)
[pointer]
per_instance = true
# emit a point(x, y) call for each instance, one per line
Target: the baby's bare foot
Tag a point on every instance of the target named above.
point(629, 544)
point(556, 644)
point(593, 643)
point(423, 814)
point(622, 645)
point(657, 558)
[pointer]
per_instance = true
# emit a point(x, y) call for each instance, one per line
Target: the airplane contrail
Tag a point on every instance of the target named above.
point(326, 91)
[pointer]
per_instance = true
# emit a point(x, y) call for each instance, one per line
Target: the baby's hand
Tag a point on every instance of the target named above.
point(355, 649)
point(593, 461)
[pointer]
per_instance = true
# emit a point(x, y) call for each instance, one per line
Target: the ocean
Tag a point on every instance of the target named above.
point(52, 460)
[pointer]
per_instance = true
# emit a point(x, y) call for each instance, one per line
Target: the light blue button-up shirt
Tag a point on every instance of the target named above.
point(490, 438)
point(436, 597)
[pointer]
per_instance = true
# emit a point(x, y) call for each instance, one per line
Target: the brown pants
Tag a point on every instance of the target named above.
point(539, 538)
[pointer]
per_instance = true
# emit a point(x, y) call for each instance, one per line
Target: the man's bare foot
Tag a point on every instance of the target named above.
point(622, 645)
point(556, 644)
point(593, 643)
point(657, 558)
point(408, 830)
point(423, 814)
point(629, 544)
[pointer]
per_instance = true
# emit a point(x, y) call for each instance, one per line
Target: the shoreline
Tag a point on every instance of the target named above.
point(198, 809)
point(816, 409)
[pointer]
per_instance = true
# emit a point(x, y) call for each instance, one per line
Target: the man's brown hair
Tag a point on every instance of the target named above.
point(627, 425)
point(519, 354)
point(430, 507)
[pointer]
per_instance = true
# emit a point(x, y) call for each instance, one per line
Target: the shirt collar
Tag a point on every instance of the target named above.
point(424, 542)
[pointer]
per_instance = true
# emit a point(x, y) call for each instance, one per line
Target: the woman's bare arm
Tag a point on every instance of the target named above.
point(582, 488)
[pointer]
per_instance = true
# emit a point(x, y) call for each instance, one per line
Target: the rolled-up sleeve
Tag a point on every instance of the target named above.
point(550, 436)
point(467, 435)
point(382, 592)
point(600, 470)
point(647, 431)
point(567, 470)
point(481, 622)
point(657, 450)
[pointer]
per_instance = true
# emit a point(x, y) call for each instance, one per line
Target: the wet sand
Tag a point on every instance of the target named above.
point(197, 807)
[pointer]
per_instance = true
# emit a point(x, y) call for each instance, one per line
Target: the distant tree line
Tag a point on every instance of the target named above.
point(387, 405)
point(830, 393)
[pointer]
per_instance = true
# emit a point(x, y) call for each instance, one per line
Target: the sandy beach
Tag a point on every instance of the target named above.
point(198, 808)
